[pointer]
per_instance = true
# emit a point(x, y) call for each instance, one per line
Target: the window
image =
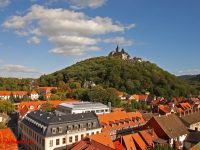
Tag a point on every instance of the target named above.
point(31, 107)
point(64, 141)
point(104, 126)
point(70, 139)
point(76, 138)
point(89, 125)
point(69, 127)
point(75, 127)
point(53, 130)
point(92, 133)
point(97, 132)
point(87, 134)
point(50, 143)
point(60, 129)
point(82, 135)
point(106, 110)
point(57, 141)
point(81, 126)
point(94, 124)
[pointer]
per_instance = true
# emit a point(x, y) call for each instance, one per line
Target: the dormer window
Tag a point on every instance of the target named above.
point(138, 119)
point(60, 129)
point(94, 124)
point(129, 122)
point(89, 125)
point(104, 126)
point(31, 107)
point(81, 126)
point(135, 120)
point(112, 125)
point(75, 127)
point(118, 123)
point(69, 127)
point(53, 130)
point(39, 106)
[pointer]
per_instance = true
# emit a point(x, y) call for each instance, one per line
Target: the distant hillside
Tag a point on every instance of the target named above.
point(192, 80)
point(137, 77)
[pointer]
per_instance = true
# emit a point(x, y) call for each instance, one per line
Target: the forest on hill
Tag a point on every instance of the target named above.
point(191, 80)
point(109, 74)
point(132, 78)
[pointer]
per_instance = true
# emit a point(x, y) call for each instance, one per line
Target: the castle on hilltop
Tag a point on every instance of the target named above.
point(119, 54)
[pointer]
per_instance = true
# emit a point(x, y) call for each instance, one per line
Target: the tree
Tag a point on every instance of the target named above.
point(163, 147)
point(2, 125)
point(47, 107)
point(6, 106)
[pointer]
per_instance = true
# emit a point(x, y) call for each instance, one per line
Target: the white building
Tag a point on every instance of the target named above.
point(51, 132)
point(81, 107)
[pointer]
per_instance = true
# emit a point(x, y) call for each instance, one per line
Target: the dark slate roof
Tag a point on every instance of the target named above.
point(190, 119)
point(148, 116)
point(171, 125)
point(160, 141)
point(193, 137)
point(43, 122)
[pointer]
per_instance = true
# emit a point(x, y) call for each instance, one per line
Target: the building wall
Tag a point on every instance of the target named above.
point(194, 126)
point(44, 143)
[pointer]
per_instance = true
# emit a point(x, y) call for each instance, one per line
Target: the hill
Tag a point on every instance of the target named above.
point(191, 80)
point(134, 77)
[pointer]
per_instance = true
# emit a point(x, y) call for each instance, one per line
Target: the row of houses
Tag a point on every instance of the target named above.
point(116, 129)
point(45, 91)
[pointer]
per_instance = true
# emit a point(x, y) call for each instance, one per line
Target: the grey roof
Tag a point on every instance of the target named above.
point(83, 105)
point(190, 119)
point(193, 137)
point(148, 116)
point(171, 125)
point(160, 141)
point(43, 123)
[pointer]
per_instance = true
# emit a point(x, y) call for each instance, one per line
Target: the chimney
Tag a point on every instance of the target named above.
point(109, 106)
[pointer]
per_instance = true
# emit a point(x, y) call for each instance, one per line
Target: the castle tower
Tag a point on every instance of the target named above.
point(117, 49)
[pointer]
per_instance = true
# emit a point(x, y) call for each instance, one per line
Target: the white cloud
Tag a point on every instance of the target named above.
point(4, 3)
point(34, 40)
point(130, 26)
point(1, 61)
point(184, 72)
point(120, 41)
point(18, 68)
point(21, 33)
point(70, 31)
point(87, 3)
point(73, 50)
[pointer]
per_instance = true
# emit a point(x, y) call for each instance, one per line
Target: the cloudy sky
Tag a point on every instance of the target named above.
point(42, 36)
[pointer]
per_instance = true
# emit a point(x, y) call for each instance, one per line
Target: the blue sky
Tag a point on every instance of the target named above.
point(43, 36)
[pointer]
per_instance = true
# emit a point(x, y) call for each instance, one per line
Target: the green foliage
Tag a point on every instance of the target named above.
point(115, 73)
point(134, 105)
point(47, 107)
point(2, 125)
point(6, 106)
point(164, 147)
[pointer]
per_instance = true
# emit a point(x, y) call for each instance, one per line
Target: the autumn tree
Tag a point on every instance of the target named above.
point(47, 107)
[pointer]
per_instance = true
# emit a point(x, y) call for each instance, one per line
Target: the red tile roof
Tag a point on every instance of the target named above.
point(103, 138)
point(7, 93)
point(148, 136)
point(23, 112)
point(120, 93)
point(119, 146)
point(120, 117)
point(33, 92)
point(140, 144)
point(89, 144)
point(37, 104)
point(7, 135)
point(164, 108)
point(128, 142)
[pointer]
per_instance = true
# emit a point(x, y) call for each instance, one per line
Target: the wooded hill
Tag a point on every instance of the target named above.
point(137, 77)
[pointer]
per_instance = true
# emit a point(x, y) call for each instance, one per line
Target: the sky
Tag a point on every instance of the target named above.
point(43, 36)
